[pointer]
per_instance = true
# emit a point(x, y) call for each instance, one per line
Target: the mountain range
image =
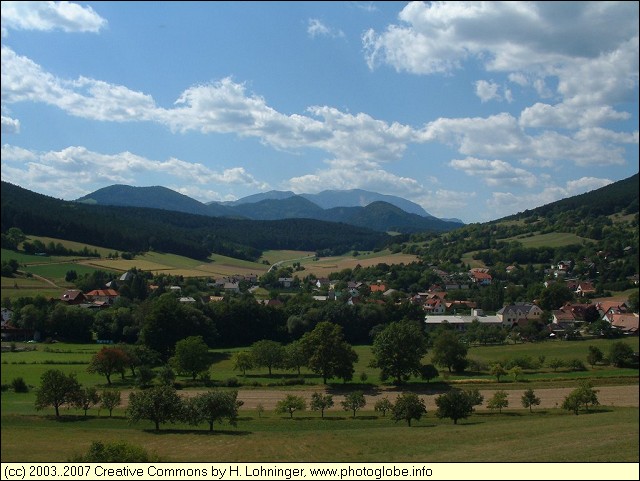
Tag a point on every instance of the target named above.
point(355, 207)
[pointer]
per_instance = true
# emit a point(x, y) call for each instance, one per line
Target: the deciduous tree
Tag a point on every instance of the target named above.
point(408, 406)
point(159, 404)
point(85, 398)
point(212, 407)
point(291, 404)
point(243, 361)
point(267, 353)
point(383, 405)
point(56, 388)
point(498, 401)
point(398, 350)
point(354, 401)
point(191, 356)
point(529, 399)
point(327, 352)
point(110, 399)
point(320, 402)
point(450, 351)
point(108, 361)
point(455, 405)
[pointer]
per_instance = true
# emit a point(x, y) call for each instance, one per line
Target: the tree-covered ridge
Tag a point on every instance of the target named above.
point(605, 219)
point(621, 196)
point(137, 229)
point(384, 214)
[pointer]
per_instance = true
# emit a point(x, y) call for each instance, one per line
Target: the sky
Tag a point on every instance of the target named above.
point(474, 110)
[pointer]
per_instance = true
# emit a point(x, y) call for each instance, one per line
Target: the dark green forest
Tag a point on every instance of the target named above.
point(136, 229)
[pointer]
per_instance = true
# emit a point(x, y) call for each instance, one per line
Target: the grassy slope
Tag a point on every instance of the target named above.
point(606, 435)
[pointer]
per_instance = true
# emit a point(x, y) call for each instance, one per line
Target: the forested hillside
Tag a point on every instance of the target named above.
point(141, 229)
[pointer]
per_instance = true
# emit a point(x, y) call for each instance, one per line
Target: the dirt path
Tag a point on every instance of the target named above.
point(621, 396)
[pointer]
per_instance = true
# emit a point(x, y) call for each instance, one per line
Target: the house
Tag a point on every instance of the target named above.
point(186, 300)
point(73, 297)
point(285, 281)
point(607, 308)
point(515, 313)
point(271, 302)
point(627, 323)
point(434, 306)
point(585, 289)
point(481, 278)
point(562, 320)
point(378, 288)
point(322, 282)
point(103, 296)
point(208, 299)
point(232, 287)
point(461, 323)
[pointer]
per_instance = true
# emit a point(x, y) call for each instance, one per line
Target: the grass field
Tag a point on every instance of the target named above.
point(555, 239)
point(552, 435)
point(604, 435)
point(75, 358)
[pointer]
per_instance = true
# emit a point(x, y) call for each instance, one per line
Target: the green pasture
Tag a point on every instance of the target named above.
point(71, 245)
point(564, 350)
point(554, 239)
point(27, 259)
point(274, 256)
point(57, 271)
point(75, 358)
point(605, 434)
point(47, 292)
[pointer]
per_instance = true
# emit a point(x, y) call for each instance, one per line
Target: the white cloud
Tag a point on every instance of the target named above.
point(316, 28)
point(77, 170)
point(502, 204)
point(487, 91)
point(24, 80)
point(594, 63)
point(66, 16)
point(495, 173)
point(518, 78)
point(225, 106)
point(10, 126)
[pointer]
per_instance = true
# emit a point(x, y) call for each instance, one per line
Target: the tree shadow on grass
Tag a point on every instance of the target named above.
point(596, 410)
point(199, 432)
point(423, 388)
point(68, 418)
point(497, 413)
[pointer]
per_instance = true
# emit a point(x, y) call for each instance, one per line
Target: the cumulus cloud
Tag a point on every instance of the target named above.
point(487, 91)
point(24, 80)
point(66, 16)
point(503, 203)
point(10, 126)
point(594, 64)
point(316, 28)
point(77, 170)
point(495, 173)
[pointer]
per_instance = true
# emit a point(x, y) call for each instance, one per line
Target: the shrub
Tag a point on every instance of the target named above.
point(19, 385)
point(114, 452)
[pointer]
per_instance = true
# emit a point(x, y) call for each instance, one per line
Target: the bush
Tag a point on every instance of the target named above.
point(233, 382)
point(577, 365)
point(114, 452)
point(293, 382)
point(19, 385)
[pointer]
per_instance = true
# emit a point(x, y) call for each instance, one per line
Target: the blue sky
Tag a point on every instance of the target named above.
point(474, 110)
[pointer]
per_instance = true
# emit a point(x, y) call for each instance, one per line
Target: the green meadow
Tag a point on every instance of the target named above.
point(605, 434)
point(602, 435)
